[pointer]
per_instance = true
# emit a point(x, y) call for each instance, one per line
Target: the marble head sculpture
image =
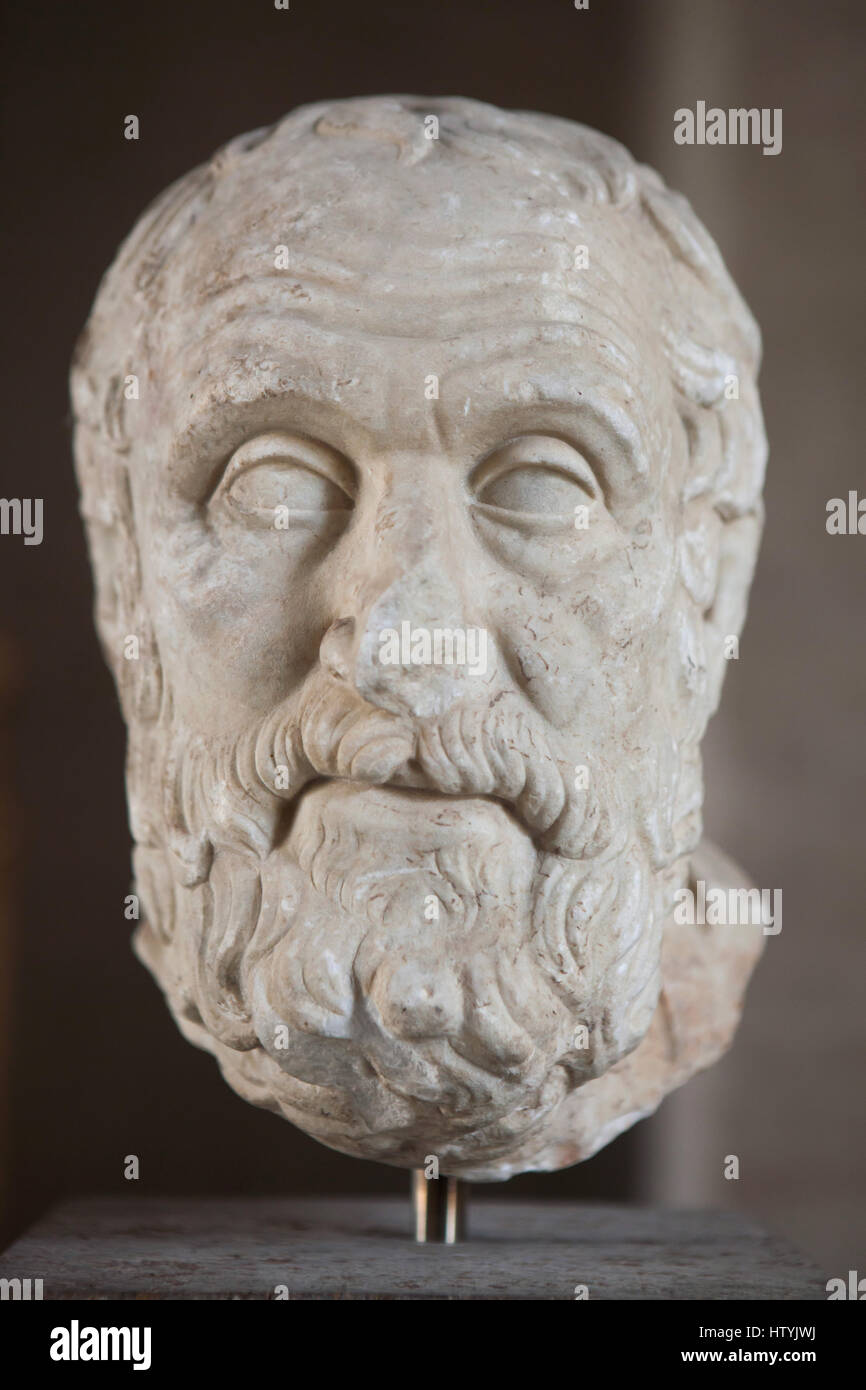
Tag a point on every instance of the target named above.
point(421, 460)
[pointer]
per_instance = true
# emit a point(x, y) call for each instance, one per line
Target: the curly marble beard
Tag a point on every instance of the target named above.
point(408, 937)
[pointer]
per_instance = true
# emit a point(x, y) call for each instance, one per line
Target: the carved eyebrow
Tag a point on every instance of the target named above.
point(604, 430)
point(597, 409)
point(606, 393)
point(215, 426)
point(269, 446)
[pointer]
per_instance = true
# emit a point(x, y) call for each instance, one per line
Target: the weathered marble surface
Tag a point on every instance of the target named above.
point(362, 1248)
point(363, 375)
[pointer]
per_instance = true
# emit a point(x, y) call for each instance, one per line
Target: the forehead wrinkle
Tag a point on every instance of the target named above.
point(465, 278)
point(269, 372)
point(498, 344)
point(416, 250)
point(246, 323)
point(243, 382)
point(400, 260)
point(400, 316)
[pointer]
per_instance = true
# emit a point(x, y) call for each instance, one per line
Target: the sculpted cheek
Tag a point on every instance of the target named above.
point(552, 652)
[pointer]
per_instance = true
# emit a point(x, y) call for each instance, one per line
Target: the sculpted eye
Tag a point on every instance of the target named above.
point(277, 479)
point(541, 490)
point(536, 476)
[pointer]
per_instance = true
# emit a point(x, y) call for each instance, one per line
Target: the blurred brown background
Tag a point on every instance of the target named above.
point(98, 1070)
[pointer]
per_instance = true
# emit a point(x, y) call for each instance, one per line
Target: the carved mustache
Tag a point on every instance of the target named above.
point(497, 749)
point(236, 795)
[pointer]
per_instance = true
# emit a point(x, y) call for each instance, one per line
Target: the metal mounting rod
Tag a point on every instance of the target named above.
point(440, 1208)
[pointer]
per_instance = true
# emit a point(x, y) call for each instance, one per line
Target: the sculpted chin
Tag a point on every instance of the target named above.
point(474, 384)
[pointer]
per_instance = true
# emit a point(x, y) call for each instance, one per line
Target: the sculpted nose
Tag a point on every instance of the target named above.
point(409, 647)
point(417, 654)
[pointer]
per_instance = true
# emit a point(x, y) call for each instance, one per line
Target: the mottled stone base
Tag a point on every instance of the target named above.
point(361, 1248)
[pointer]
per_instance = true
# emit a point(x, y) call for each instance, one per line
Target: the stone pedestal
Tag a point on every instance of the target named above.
point(362, 1248)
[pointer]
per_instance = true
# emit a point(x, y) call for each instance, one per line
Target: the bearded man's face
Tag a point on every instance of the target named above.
point(420, 777)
